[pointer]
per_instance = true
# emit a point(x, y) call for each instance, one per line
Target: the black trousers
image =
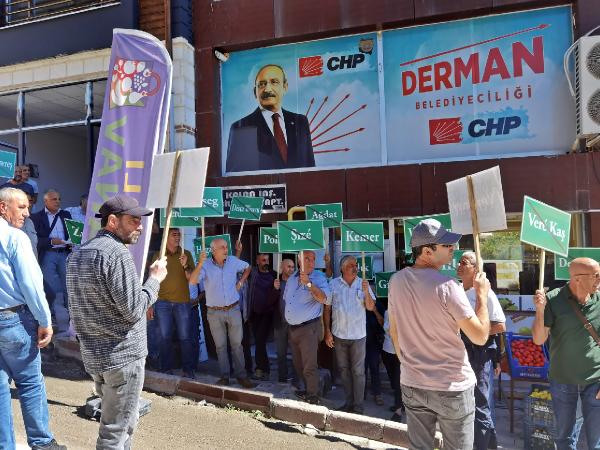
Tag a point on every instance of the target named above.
point(392, 367)
point(261, 327)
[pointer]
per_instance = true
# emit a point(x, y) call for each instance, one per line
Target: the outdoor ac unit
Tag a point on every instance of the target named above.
point(587, 85)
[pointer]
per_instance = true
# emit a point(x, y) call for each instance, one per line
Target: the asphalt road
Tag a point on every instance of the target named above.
point(174, 422)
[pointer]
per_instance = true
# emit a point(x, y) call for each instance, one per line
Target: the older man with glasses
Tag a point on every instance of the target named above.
point(574, 351)
point(481, 357)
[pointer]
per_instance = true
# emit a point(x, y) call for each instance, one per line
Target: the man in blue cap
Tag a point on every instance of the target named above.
point(426, 311)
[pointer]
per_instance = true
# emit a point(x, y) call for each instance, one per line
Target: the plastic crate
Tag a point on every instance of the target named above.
point(537, 438)
point(518, 371)
point(538, 411)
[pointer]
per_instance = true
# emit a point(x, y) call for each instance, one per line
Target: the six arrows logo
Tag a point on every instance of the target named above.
point(445, 131)
point(310, 66)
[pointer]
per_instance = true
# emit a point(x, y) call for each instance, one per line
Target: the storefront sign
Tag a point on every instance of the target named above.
point(274, 195)
point(362, 237)
point(562, 263)
point(331, 214)
point(479, 88)
point(545, 226)
point(298, 235)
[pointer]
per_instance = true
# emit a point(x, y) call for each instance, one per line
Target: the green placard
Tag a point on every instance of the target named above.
point(269, 240)
point(331, 214)
point(362, 237)
point(450, 268)
point(8, 161)
point(249, 208)
point(545, 226)
point(297, 235)
point(561, 263)
point(368, 266)
point(178, 221)
point(74, 230)
point(381, 283)
point(411, 222)
point(209, 239)
point(212, 205)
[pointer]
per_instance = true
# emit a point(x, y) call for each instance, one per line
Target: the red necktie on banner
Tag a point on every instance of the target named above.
point(279, 137)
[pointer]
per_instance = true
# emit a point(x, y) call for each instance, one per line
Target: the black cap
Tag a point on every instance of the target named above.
point(122, 204)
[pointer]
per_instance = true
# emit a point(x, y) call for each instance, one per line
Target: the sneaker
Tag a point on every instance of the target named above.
point(246, 383)
point(313, 400)
point(52, 445)
point(378, 400)
point(301, 394)
point(189, 374)
point(260, 375)
point(396, 417)
point(345, 408)
point(358, 410)
point(223, 381)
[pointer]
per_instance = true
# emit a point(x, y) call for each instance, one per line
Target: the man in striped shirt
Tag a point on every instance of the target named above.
point(108, 309)
point(350, 296)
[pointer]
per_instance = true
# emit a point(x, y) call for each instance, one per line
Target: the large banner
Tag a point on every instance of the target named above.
point(485, 87)
point(328, 94)
point(134, 120)
point(477, 88)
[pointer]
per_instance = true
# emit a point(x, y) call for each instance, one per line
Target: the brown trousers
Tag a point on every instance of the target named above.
point(304, 341)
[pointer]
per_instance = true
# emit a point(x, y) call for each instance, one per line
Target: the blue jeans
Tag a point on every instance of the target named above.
point(54, 268)
point(484, 424)
point(168, 314)
point(453, 410)
point(568, 422)
point(20, 360)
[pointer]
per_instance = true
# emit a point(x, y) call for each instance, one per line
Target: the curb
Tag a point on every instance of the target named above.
point(283, 409)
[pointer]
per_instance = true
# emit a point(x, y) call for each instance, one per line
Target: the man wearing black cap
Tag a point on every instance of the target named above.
point(108, 308)
point(426, 311)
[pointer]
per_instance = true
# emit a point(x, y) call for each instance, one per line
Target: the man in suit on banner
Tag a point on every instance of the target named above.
point(270, 138)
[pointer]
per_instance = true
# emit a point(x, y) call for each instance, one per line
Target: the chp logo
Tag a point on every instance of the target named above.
point(450, 130)
point(310, 66)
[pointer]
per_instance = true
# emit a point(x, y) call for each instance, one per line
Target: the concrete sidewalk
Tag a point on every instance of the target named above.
point(278, 401)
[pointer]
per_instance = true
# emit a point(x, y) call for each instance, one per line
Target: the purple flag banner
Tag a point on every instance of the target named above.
point(134, 123)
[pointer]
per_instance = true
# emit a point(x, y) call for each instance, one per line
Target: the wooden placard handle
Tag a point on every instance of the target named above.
point(542, 269)
point(364, 268)
point(172, 193)
point(474, 223)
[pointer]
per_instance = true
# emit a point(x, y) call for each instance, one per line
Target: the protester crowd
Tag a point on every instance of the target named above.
point(437, 339)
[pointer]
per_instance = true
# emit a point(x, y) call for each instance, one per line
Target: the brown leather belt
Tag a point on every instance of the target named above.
point(13, 309)
point(223, 308)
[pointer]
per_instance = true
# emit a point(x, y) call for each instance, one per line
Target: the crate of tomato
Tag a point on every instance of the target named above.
point(526, 359)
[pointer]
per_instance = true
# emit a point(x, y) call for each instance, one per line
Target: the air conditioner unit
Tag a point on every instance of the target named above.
point(587, 85)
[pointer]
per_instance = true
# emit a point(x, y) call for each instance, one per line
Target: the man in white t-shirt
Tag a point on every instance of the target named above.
point(426, 312)
point(482, 357)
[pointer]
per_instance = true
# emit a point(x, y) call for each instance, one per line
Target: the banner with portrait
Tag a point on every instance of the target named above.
point(328, 94)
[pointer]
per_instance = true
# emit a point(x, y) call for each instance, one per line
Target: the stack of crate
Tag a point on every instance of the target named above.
point(539, 419)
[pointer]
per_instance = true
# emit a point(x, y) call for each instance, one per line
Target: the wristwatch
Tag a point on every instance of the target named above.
point(309, 285)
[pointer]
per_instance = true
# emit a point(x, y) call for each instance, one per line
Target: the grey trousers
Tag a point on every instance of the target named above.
point(304, 341)
point(120, 391)
point(224, 324)
point(281, 337)
point(350, 359)
point(453, 410)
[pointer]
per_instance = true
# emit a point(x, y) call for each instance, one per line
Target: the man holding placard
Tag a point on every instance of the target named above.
point(350, 297)
point(305, 293)
point(426, 311)
point(219, 275)
point(571, 315)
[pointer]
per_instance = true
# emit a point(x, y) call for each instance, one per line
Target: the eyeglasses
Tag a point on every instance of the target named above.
point(465, 263)
point(595, 275)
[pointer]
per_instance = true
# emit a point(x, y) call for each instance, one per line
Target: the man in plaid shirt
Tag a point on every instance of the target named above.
point(108, 310)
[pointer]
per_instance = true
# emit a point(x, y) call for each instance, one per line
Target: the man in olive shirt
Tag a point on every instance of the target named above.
point(174, 308)
point(574, 355)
